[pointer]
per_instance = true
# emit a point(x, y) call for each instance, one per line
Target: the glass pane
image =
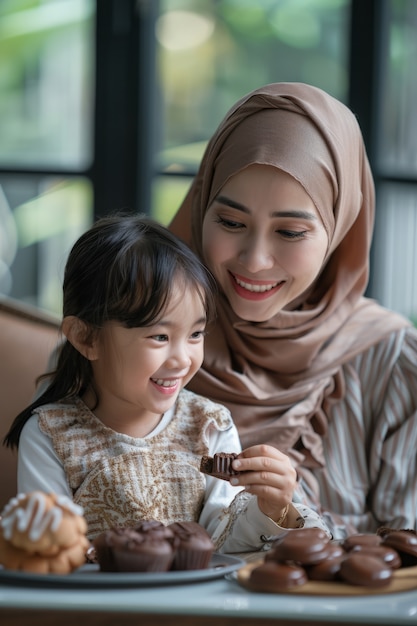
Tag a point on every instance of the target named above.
point(397, 131)
point(40, 219)
point(168, 193)
point(394, 282)
point(211, 53)
point(46, 83)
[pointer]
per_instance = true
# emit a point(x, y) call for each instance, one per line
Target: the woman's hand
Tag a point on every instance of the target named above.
point(267, 473)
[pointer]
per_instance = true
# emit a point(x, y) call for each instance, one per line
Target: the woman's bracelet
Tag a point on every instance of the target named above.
point(283, 516)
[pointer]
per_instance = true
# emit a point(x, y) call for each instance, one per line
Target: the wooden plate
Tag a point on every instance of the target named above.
point(404, 579)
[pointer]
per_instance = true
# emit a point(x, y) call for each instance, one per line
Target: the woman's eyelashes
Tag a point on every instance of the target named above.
point(228, 223)
point(292, 234)
point(234, 225)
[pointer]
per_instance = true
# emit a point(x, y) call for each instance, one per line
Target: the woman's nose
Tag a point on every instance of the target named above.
point(256, 256)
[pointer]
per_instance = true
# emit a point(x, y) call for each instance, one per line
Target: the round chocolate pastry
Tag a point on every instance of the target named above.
point(335, 550)
point(385, 530)
point(367, 571)
point(361, 539)
point(327, 570)
point(405, 543)
point(304, 546)
point(387, 554)
point(270, 576)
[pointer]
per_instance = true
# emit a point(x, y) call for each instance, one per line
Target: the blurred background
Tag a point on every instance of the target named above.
point(108, 104)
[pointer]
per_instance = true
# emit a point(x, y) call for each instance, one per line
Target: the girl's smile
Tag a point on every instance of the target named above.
point(139, 371)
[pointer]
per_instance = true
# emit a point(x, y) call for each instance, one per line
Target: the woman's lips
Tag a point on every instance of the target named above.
point(255, 290)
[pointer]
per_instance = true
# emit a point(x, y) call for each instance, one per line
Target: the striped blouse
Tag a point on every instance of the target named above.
point(370, 476)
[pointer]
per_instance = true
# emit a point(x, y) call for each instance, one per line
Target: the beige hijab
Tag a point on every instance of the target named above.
point(279, 377)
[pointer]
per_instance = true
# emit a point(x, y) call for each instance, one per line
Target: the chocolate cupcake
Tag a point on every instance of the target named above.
point(193, 546)
point(131, 550)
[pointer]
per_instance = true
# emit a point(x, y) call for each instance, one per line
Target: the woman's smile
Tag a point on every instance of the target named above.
point(254, 290)
point(264, 241)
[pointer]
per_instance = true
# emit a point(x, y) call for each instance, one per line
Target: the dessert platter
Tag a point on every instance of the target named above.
point(43, 542)
point(306, 562)
point(90, 575)
point(403, 580)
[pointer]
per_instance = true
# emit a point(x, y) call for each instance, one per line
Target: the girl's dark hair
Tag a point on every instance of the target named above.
point(124, 269)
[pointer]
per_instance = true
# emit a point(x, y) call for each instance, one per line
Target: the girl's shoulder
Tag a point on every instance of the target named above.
point(69, 407)
point(201, 408)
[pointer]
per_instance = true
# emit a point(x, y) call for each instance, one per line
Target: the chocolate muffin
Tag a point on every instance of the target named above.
point(131, 550)
point(193, 546)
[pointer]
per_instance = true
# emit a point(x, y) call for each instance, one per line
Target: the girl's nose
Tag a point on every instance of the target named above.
point(179, 358)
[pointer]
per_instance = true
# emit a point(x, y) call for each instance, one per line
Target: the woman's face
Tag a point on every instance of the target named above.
point(264, 241)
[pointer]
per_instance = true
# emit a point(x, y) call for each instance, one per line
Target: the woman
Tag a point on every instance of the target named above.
point(282, 211)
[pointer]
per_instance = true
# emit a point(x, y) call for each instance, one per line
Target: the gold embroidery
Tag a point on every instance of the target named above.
point(119, 480)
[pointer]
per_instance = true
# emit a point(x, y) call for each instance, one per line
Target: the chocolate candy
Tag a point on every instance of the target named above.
point(303, 546)
point(219, 465)
point(272, 576)
point(327, 570)
point(361, 539)
point(405, 543)
point(364, 570)
point(387, 554)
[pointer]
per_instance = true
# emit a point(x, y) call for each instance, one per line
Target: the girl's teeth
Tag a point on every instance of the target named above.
point(257, 288)
point(164, 383)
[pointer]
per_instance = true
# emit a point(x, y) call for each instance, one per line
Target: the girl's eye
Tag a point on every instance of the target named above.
point(160, 337)
point(230, 224)
point(199, 334)
point(292, 234)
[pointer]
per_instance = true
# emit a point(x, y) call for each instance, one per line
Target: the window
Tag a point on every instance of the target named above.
point(108, 104)
point(46, 126)
point(209, 54)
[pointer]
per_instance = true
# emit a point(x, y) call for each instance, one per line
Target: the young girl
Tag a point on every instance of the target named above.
point(115, 430)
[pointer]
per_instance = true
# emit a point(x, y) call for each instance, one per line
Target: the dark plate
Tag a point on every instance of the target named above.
point(91, 576)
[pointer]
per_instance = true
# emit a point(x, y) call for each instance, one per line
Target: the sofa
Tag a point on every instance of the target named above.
point(27, 338)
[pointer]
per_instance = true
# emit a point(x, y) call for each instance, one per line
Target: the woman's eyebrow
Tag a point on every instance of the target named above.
point(297, 213)
point(232, 203)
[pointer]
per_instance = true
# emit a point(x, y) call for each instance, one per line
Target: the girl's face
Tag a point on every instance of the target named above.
point(264, 241)
point(139, 372)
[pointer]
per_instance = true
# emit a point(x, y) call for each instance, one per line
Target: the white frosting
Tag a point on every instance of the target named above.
point(34, 517)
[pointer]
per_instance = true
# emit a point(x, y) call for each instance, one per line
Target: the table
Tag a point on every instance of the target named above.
point(218, 602)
